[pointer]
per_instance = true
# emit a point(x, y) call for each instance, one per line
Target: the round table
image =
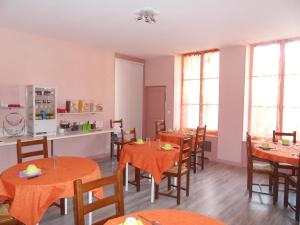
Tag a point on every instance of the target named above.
point(169, 217)
point(149, 158)
point(278, 153)
point(31, 197)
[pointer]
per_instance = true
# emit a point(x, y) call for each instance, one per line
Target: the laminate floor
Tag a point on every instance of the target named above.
point(218, 191)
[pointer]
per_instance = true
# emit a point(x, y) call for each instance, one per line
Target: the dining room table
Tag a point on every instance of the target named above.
point(167, 217)
point(151, 157)
point(277, 153)
point(31, 196)
point(175, 136)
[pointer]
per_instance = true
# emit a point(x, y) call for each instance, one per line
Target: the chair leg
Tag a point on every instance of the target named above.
point(62, 206)
point(169, 183)
point(111, 150)
point(202, 159)
point(297, 204)
point(118, 152)
point(250, 180)
point(286, 192)
point(195, 162)
point(178, 189)
point(156, 191)
point(124, 175)
point(137, 173)
point(270, 183)
point(187, 192)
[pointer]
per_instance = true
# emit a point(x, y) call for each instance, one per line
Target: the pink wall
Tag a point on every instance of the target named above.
point(160, 71)
point(231, 104)
point(79, 72)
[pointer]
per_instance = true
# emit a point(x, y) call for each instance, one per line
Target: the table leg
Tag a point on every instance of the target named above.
point(90, 200)
point(52, 151)
point(66, 206)
point(126, 177)
point(152, 189)
point(275, 189)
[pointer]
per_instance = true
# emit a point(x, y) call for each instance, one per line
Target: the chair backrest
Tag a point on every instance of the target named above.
point(128, 136)
point(249, 152)
point(185, 153)
point(21, 155)
point(200, 138)
point(118, 123)
point(117, 198)
point(279, 135)
point(160, 125)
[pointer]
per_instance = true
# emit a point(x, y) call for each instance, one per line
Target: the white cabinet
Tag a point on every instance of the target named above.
point(41, 104)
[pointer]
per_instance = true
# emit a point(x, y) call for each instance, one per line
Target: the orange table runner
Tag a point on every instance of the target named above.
point(148, 158)
point(169, 217)
point(31, 197)
point(278, 153)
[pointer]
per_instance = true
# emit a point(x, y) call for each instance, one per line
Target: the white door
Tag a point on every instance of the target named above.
point(129, 83)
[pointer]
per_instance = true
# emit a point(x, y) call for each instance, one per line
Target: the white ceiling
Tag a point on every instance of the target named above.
point(183, 25)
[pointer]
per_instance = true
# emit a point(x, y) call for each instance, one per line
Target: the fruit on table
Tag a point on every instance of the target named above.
point(31, 169)
point(139, 140)
point(132, 221)
point(168, 146)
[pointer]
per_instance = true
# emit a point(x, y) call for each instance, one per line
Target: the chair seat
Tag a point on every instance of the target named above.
point(5, 218)
point(174, 170)
point(116, 140)
point(262, 167)
point(287, 165)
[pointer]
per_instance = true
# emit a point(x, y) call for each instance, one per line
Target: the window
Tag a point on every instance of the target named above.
point(274, 91)
point(200, 90)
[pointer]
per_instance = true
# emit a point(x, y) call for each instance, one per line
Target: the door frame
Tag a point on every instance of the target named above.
point(144, 106)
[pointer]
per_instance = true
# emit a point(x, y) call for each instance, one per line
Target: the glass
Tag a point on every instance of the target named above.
point(191, 65)
point(54, 160)
point(292, 55)
point(191, 92)
point(158, 146)
point(190, 116)
point(211, 65)
point(210, 91)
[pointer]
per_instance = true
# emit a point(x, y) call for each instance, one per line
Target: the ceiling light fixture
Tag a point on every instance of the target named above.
point(147, 15)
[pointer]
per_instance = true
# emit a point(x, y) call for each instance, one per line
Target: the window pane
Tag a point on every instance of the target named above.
point(191, 92)
point(291, 120)
point(190, 116)
point(292, 57)
point(263, 121)
point(191, 67)
point(210, 91)
point(210, 116)
point(264, 91)
point(266, 59)
point(292, 91)
point(211, 65)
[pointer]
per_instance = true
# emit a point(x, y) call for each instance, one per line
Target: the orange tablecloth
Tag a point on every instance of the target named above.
point(148, 158)
point(31, 197)
point(169, 217)
point(278, 153)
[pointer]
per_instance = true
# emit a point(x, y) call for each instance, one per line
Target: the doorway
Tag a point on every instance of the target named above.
point(155, 99)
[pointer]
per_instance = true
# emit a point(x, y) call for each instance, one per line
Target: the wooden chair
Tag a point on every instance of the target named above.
point(114, 139)
point(295, 182)
point(126, 138)
point(160, 125)
point(277, 136)
point(199, 148)
point(117, 198)
point(5, 217)
point(44, 152)
point(255, 165)
point(21, 155)
point(177, 171)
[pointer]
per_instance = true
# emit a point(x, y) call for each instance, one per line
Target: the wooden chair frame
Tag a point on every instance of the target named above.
point(184, 160)
point(284, 134)
point(160, 125)
point(21, 144)
point(288, 182)
point(115, 140)
point(250, 171)
point(199, 148)
point(117, 199)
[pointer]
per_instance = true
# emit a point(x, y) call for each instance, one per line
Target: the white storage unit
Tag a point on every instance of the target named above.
point(41, 110)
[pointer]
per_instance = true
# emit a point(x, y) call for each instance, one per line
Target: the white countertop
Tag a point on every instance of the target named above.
point(5, 141)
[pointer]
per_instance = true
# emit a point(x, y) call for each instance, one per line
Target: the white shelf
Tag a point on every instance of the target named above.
point(21, 107)
point(78, 113)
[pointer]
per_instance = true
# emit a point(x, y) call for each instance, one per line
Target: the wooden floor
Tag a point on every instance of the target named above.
point(219, 191)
